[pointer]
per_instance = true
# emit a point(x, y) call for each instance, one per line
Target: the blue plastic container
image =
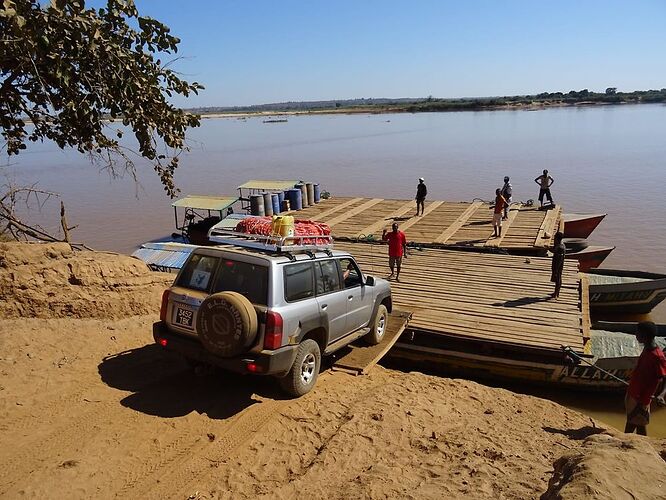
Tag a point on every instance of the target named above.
point(317, 193)
point(276, 203)
point(268, 204)
point(281, 197)
point(295, 197)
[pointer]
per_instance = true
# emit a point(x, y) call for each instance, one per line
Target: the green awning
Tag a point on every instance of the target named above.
point(201, 202)
point(268, 185)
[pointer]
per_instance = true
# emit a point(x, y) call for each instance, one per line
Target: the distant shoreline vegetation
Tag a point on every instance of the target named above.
point(432, 104)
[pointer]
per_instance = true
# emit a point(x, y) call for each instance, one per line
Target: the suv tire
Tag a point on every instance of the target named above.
point(378, 326)
point(227, 324)
point(304, 372)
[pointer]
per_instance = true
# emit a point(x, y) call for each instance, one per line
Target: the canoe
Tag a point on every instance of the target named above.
point(581, 225)
point(631, 292)
point(590, 257)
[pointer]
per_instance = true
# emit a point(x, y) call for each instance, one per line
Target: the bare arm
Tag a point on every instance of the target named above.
point(537, 180)
point(661, 394)
point(552, 181)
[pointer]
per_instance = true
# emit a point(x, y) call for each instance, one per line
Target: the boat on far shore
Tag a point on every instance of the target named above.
point(581, 225)
point(623, 291)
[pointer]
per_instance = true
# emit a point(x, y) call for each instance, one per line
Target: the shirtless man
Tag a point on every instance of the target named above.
point(544, 181)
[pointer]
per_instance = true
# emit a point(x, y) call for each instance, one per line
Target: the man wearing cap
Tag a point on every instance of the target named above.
point(507, 192)
point(397, 248)
point(421, 193)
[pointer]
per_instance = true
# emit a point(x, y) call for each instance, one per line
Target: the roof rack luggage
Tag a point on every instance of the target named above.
point(286, 244)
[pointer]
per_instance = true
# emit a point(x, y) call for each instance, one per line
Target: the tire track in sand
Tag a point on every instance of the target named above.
point(159, 479)
point(89, 417)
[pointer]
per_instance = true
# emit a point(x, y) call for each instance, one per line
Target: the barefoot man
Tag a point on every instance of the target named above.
point(421, 193)
point(397, 248)
point(558, 263)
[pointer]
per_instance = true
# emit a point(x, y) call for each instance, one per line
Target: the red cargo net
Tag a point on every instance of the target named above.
point(263, 226)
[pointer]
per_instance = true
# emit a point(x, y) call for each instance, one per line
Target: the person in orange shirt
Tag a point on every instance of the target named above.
point(646, 379)
point(397, 248)
point(500, 203)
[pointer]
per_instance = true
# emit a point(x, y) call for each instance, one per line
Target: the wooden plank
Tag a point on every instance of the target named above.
point(546, 228)
point(354, 211)
point(333, 210)
point(429, 208)
point(505, 229)
point(458, 223)
point(585, 305)
point(381, 223)
point(362, 358)
point(490, 297)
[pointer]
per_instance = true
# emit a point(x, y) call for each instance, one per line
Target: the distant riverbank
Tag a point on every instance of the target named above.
point(401, 109)
point(430, 104)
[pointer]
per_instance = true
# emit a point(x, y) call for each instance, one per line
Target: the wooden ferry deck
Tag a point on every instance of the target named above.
point(485, 297)
point(528, 230)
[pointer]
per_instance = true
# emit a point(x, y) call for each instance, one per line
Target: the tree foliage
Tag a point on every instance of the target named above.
point(68, 71)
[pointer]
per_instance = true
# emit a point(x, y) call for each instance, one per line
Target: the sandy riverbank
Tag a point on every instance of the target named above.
point(91, 408)
point(379, 110)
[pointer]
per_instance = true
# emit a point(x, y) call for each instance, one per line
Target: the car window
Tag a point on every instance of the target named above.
point(198, 272)
point(250, 280)
point(351, 274)
point(328, 277)
point(298, 281)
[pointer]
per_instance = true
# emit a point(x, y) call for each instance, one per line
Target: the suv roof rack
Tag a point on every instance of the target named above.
point(278, 244)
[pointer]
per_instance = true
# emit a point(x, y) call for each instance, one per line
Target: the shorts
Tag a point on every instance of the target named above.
point(545, 191)
point(637, 414)
point(395, 260)
point(497, 220)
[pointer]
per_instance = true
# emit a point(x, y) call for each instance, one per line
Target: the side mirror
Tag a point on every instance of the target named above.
point(370, 281)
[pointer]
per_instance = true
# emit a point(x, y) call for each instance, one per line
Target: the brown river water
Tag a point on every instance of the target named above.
point(604, 159)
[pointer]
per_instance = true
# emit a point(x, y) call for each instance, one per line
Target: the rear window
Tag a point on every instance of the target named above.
point(298, 281)
point(250, 280)
point(198, 273)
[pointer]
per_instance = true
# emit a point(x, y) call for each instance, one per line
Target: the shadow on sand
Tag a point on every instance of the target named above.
point(576, 434)
point(163, 385)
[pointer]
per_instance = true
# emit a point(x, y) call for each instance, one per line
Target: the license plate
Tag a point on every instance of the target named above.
point(184, 316)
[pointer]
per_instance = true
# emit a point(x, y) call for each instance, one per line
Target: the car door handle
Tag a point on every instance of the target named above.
point(350, 297)
point(324, 306)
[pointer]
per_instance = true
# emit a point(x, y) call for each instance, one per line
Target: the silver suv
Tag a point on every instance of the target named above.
point(254, 311)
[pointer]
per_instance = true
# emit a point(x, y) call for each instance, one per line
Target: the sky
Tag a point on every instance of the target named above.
point(255, 51)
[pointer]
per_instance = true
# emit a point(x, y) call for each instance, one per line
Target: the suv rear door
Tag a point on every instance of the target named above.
point(360, 298)
point(331, 298)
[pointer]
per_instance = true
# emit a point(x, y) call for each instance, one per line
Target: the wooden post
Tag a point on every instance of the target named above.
point(63, 222)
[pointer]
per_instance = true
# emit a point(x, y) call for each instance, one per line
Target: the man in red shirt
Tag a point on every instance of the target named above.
point(500, 203)
point(397, 243)
point(646, 378)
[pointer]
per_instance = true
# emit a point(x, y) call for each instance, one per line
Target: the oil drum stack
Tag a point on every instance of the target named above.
point(302, 195)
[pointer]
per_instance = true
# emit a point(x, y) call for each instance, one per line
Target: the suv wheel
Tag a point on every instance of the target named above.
point(378, 326)
point(305, 370)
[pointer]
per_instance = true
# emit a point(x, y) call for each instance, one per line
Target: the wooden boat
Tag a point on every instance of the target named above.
point(632, 292)
point(581, 225)
point(590, 257)
point(627, 327)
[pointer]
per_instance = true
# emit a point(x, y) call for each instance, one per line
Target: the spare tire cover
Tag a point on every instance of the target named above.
point(227, 324)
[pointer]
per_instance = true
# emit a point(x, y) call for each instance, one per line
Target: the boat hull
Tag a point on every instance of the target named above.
point(581, 225)
point(590, 257)
point(485, 361)
point(638, 297)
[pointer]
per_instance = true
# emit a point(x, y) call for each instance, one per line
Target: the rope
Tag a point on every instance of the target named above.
point(571, 352)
